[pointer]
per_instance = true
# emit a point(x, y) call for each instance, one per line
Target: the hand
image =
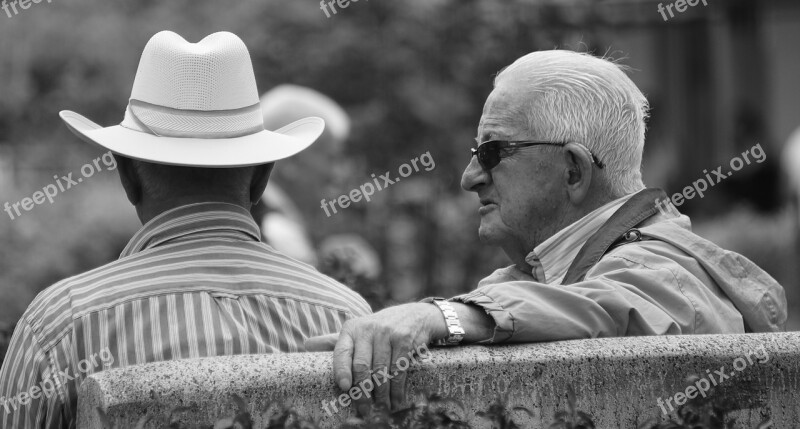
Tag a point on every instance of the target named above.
point(373, 352)
point(322, 343)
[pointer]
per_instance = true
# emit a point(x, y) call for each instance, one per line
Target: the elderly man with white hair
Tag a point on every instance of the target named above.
point(557, 173)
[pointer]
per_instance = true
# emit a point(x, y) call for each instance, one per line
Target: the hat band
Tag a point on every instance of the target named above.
point(203, 124)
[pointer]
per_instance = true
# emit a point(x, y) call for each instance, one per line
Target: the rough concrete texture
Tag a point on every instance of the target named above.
point(617, 381)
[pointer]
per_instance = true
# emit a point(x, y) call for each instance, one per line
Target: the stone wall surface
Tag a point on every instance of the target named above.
point(617, 381)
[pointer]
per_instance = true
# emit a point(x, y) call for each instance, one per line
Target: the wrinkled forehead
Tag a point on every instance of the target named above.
point(504, 114)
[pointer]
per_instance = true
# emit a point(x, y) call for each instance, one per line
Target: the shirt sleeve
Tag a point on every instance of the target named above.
point(362, 309)
point(29, 396)
point(626, 299)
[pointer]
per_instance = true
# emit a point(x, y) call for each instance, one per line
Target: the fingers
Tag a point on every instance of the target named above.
point(362, 371)
point(362, 359)
point(397, 392)
point(343, 360)
point(373, 354)
point(322, 343)
point(381, 361)
point(401, 360)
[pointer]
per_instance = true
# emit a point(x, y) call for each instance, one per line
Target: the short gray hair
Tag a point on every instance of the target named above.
point(581, 98)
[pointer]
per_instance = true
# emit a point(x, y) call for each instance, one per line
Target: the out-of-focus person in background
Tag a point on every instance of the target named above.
point(283, 226)
point(350, 259)
point(307, 175)
point(790, 159)
point(790, 164)
point(196, 280)
point(557, 170)
point(297, 184)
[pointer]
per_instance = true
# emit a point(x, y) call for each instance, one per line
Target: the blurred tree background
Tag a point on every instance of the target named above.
point(413, 76)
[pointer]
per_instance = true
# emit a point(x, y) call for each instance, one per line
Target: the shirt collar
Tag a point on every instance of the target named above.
point(551, 259)
point(206, 219)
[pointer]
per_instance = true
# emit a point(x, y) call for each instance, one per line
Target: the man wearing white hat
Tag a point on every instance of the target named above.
point(196, 280)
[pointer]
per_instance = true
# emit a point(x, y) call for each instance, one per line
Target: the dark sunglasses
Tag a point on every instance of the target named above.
point(489, 153)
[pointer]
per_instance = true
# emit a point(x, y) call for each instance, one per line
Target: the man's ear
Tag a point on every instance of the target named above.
point(130, 179)
point(579, 172)
point(259, 181)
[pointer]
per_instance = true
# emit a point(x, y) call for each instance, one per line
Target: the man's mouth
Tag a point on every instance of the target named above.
point(487, 206)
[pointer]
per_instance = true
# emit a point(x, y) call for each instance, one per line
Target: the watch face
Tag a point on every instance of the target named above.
point(455, 339)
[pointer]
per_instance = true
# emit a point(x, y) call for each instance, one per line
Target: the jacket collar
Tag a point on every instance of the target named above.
point(639, 207)
point(550, 260)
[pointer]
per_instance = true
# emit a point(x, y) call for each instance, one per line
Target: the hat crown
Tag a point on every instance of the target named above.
point(203, 90)
point(213, 74)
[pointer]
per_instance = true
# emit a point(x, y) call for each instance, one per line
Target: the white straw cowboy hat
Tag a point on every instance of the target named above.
point(196, 104)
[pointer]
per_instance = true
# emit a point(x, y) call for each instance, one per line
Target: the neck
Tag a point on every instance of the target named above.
point(150, 207)
point(517, 254)
point(520, 249)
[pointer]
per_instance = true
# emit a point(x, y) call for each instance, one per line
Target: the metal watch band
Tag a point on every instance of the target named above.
point(453, 324)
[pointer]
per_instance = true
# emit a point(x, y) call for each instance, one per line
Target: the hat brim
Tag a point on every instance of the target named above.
point(260, 148)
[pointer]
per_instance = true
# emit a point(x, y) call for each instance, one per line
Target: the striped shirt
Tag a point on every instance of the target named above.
point(551, 259)
point(195, 281)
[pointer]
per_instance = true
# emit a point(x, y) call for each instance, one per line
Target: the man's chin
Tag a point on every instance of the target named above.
point(489, 235)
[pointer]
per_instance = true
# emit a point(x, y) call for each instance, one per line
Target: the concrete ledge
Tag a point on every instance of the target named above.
point(617, 381)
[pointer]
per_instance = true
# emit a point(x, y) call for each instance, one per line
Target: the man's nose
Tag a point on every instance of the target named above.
point(474, 177)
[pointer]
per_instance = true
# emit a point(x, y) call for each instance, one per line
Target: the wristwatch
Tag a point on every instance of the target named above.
point(453, 324)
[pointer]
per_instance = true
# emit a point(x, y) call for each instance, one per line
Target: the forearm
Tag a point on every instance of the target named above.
point(478, 326)
point(532, 312)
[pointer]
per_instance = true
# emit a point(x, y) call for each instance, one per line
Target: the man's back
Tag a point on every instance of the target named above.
point(193, 282)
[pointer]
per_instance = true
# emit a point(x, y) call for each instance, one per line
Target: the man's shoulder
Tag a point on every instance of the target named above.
point(316, 286)
point(49, 316)
point(506, 274)
point(650, 252)
point(667, 242)
point(256, 269)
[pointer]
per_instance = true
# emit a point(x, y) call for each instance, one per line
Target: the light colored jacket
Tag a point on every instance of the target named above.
point(671, 282)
